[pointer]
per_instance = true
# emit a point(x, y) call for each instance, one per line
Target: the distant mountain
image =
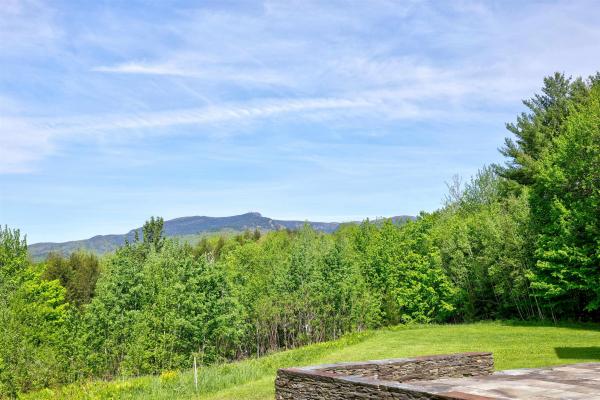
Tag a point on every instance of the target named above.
point(183, 227)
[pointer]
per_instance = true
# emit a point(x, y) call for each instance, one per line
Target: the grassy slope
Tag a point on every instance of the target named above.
point(514, 346)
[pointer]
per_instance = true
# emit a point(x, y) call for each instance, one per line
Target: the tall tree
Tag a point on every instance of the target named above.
point(565, 203)
point(78, 274)
point(33, 319)
point(152, 233)
point(534, 131)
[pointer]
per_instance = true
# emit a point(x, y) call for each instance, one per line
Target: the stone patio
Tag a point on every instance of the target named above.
point(467, 376)
point(577, 381)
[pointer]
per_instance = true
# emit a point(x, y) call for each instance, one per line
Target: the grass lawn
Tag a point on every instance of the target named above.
point(513, 345)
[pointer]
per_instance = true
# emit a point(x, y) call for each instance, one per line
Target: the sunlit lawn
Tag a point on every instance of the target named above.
point(513, 345)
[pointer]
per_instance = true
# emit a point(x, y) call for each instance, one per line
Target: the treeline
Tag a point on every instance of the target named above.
point(519, 241)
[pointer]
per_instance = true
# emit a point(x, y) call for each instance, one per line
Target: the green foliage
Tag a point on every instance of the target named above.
point(482, 243)
point(152, 233)
point(153, 313)
point(402, 268)
point(77, 274)
point(520, 241)
point(253, 378)
point(565, 201)
point(34, 318)
point(555, 162)
point(297, 288)
point(211, 247)
point(13, 257)
point(536, 130)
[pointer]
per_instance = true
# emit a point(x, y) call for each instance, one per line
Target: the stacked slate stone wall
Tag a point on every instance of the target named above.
point(379, 379)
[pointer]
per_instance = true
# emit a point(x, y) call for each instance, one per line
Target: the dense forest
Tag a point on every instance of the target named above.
point(517, 241)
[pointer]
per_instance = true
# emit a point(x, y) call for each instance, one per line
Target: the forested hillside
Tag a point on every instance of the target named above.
point(186, 228)
point(517, 241)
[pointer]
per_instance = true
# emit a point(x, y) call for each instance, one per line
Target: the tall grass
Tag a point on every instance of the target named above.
point(515, 345)
point(211, 379)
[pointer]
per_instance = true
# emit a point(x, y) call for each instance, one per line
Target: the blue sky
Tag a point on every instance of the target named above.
point(113, 111)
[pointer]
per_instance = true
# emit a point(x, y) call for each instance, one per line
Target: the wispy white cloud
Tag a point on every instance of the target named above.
point(310, 60)
point(144, 69)
point(21, 144)
point(214, 73)
point(176, 108)
point(23, 141)
point(27, 26)
point(196, 116)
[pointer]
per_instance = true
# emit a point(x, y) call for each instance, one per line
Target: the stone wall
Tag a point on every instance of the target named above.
point(385, 379)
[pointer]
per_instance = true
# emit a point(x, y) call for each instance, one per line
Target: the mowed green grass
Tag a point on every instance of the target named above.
point(513, 345)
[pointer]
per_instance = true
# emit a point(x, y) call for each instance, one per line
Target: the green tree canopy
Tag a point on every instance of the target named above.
point(535, 131)
point(565, 204)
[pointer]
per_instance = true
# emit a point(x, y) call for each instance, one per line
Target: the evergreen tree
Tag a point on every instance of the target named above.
point(565, 203)
point(535, 131)
point(152, 233)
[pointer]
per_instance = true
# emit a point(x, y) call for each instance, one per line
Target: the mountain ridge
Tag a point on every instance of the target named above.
point(182, 226)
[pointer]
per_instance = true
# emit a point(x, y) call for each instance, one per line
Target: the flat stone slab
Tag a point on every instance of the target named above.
point(463, 376)
point(576, 381)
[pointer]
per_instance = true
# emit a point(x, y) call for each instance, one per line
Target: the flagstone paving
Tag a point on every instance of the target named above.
point(577, 381)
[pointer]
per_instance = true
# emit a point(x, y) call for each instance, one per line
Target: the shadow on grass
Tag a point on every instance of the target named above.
point(587, 326)
point(580, 353)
